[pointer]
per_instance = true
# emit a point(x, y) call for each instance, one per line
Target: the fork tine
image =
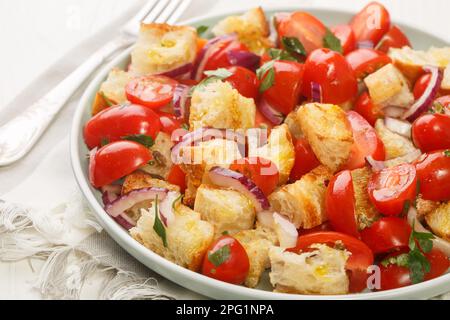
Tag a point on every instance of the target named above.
point(151, 17)
point(179, 11)
point(132, 26)
point(164, 16)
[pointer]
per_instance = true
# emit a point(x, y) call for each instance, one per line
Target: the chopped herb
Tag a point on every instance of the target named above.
point(143, 139)
point(225, 233)
point(267, 76)
point(417, 262)
point(293, 45)
point(220, 256)
point(158, 225)
point(179, 199)
point(437, 108)
point(185, 126)
point(203, 84)
point(400, 260)
point(202, 29)
point(108, 102)
point(221, 73)
point(104, 142)
point(279, 54)
point(332, 42)
point(447, 153)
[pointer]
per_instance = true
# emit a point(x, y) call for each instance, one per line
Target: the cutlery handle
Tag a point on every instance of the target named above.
point(21, 133)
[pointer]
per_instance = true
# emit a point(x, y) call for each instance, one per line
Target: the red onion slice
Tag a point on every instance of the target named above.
point(365, 44)
point(237, 181)
point(403, 128)
point(244, 59)
point(181, 101)
point(427, 98)
point(270, 113)
point(316, 92)
point(125, 202)
point(126, 222)
point(166, 208)
point(376, 165)
point(286, 231)
point(179, 73)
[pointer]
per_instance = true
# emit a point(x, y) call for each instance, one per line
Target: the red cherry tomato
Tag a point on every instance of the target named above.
point(333, 73)
point(421, 85)
point(445, 102)
point(366, 142)
point(169, 122)
point(366, 61)
point(264, 173)
point(305, 160)
point(219, 58)
point(323, 227)
point(365, 107)
point(340, 204)
point(390, 188)
point(395, 38)
point(244, 81)
point(305, 27)
point(285, 92)
point(371, 23)
point(360, 259)
point(387, 234)
point(433, 171)
point(226, 260)
point(115, 161)
point(394, 276)
point(345, 33)
point(431, 132)
point(114, 123)
point(151, 91)
point(177, 177)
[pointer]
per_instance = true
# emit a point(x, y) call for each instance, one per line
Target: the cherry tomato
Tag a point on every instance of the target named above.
point(115, 161)
point(433, 171)
point(365, 107)
point(371, 23)
point(345, 33)
point(421, 85)
point(340, 204)
point(169, 122)
point(366, 142)
point(387, 234)
point(445, 102)
point(390, 188)
point(285, 92)
point(431, 132)
point(226, 260)
point(219, 58)
point(305, 160)
point(360, 259)
point(333, 73)
point(366, 61)
point(244, 81)
point(151, 91)
point(114, 123)
point(395, 38)
point(305, 27)
point(394, 276)
point(264, 173)
point(177, 177)
point(323, 227)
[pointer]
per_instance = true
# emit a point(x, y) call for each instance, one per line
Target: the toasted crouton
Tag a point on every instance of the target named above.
point(162, 47)
point(227, 210)
point(188, 237)
point(365, 212)
point(112, 91)
point(280, 150)
point(293, 125)
point(218, 105)
point(425, 207)
point(395, 145)
point(445, 85)
point(256, 243)
point(303, 202)
point(328, 132)
point(321, 271)
point(388, 87)
point(162, 161)
point(252, 29)
point(439, 221)
point(140, 180)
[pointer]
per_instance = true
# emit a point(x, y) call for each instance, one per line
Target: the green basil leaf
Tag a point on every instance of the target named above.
point(109, 103)
point(447, 153)
point(279, 54)
point(202, 29)
point(292, 44)
point(143, 139)
point(158, 226)
point(220, 256)
point(332, 42)
point(268, 81)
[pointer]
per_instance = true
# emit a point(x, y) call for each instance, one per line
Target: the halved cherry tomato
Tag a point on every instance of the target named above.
point(114, 123)
point(116, 160)
point(151, 91)
point(226, 260)
point(340, 204)
point(361, 255)
point(390, 188)
point(394, 276)
point(387, 234)
point(395, 38)
point(305, 160)
point(169, 122)
point(421, 85)
point(285, 92)
point(433, 171)
point(177, 177)
point(332, 72)
point(305, 27)
point(431, 132)
point(445, 102)
point(244, 81)
point(264, 173)
point(365, 107)
point(365, 61)
point(371, 23)
point(366, 142)
point(219, 58)
point(345, 33)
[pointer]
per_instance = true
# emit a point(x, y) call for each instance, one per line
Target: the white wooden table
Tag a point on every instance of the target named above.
point(36, 33)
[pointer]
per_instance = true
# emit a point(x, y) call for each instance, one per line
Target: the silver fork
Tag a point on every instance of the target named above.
point(19, 135)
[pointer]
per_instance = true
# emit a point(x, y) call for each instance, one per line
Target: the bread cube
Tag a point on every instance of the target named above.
point(365, 212)
point(112, 91)
point(395, 145)
point(162, 160)
point(439, 221)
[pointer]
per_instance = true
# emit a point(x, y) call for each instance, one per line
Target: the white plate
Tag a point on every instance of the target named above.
point(191, 280)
